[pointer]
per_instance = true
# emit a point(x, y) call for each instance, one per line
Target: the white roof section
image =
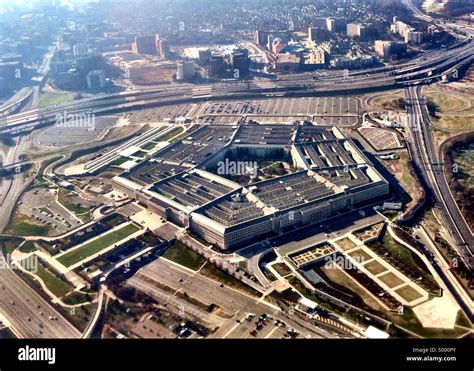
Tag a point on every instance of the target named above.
point(374, 333)
point(127, 165)
point(307, 303)
point(129, 151)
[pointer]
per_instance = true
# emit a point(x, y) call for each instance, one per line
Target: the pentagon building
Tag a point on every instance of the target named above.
point(330, 175)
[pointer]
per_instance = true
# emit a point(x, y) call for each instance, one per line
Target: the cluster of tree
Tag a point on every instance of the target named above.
point(458, 180)
point(456, 8)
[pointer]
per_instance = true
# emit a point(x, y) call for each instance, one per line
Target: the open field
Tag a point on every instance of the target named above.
point(386, 101)
point(454, 124)
point(48, 99)
point(446, 102)
point(22, 225)
point(464, 159)
point(402, 170)
point(97, 245)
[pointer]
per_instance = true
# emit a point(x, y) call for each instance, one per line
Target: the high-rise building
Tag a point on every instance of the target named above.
point(144, 45)
point(386, 49)
point(204, 56)
point(161, 46)
point(261, 37)
point(96, 80)
point(318, 34)
point(216, 66)
point(331, 24)
point(409, 34)
point(319, 22)
point(240, 61)
point(185, 70)
point(355, 30)
point(80, 49)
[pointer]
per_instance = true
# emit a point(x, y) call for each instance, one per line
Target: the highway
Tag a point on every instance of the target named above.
point(427, 160)
point(28, 313)
point(24, 314)
point(429, 68)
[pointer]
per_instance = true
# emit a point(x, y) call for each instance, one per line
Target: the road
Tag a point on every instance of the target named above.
point(427, 69)
point(426, 158)
point(28, 313)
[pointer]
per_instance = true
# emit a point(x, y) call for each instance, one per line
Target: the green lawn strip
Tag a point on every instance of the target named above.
point(182, 255)
point(75, 298)
point(27, 247)
point(282, 269)
point(47, 99)
point(56, 285)
point(169, 135)
point(97, 245)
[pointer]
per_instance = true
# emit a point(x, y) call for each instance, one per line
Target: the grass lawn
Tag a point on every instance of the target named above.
point(170, 135)
point(360, 255)
point(10, 243)
point(82, 315)
point(76, 298)
point(21, 225)
point(47, 99)
point(454, 123)
point(343, 279)
point(345, 243)
point(56, 285)
point(27, 247)
point(97, 245)
point(282, 269)
point(375, 267)
point(445, 102)
point(408, 293)
point(149, 146)
point(404, 255)
point(180, 254)
point(76, 208)
point(410, 321)
point(119, 161)
point(391, 279)
point(44, 165)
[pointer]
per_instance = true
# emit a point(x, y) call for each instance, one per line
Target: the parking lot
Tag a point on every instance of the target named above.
point(234, 306)
point(381, 139)
point(323, 110)
point(40, 204)
point(74, 133)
